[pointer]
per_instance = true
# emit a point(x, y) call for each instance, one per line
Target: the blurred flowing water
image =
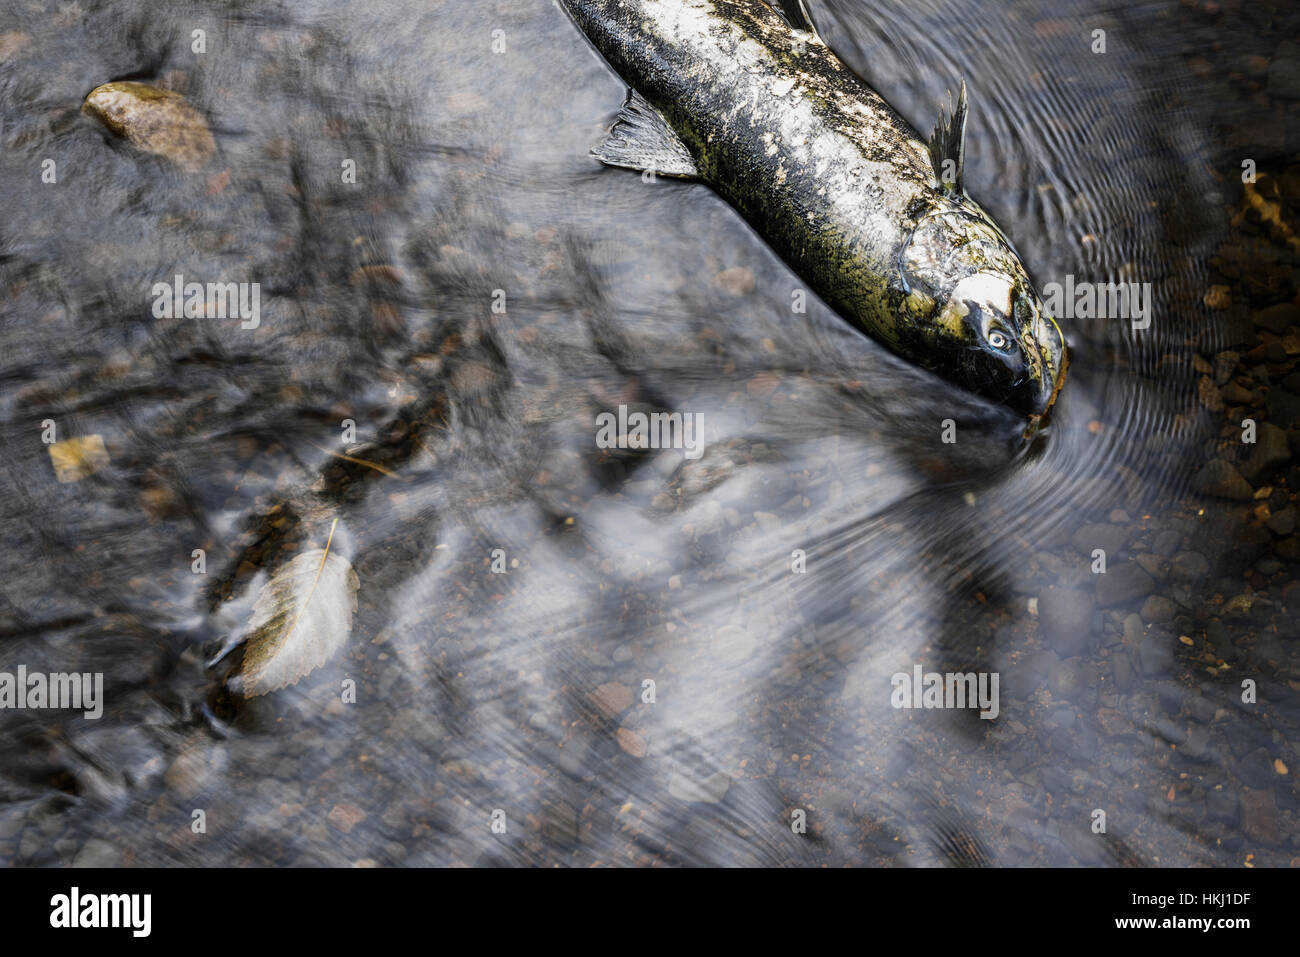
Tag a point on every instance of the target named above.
point(523, 696)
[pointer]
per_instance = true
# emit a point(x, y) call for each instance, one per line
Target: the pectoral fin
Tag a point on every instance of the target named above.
point(948, 144)
point(796, 14)
point(642, 140)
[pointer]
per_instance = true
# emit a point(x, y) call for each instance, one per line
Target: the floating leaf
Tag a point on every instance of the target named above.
point(78, 457)
point(300, 620)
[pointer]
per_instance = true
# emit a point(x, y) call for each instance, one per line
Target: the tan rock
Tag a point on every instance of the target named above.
point(631, 742)
point(154, 120)
point(612, 698)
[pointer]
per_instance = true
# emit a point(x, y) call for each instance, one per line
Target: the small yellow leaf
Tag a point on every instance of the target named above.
point(78, 457)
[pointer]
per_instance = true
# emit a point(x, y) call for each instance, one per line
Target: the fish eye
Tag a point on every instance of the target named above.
point(998, 339)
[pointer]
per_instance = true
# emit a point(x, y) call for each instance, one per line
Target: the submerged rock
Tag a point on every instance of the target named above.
point(97, 853)
point(1123, 584)
point(1157, 608)
point(1065, 615)
point(1259, 817)
point(154, 120)
point(1222, 480)
point(1271, 452)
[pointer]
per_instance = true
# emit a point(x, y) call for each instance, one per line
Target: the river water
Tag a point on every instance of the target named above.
point(677, 660)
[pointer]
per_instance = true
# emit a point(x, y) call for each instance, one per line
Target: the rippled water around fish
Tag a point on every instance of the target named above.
point(522, 697)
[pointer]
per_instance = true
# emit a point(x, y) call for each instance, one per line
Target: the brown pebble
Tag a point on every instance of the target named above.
point(631, 742)
point(346, 816)
point(154, 120)
point(612, 698)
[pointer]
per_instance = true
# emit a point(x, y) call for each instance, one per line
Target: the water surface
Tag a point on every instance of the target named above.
point(525, 693)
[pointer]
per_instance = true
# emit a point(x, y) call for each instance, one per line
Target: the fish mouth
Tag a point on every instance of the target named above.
point(1036, 392)
point(1052, 353)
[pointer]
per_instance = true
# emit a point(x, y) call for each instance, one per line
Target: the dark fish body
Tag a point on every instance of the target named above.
point(835, 181)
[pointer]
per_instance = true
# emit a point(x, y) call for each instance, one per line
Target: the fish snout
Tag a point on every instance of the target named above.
point(1053, 358)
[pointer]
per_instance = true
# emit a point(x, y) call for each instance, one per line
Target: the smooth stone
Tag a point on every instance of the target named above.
point(1065, 615)
point(1268, 567)
point(1062, 718)
point(1216, 632)
point(1170, 694)
point(1167, 542)
point(1222, 480)
point(1237, 395)
point(1255, 769)
point(1072, 678)
point(154, 120)
point(1282, 522)
point(1111, 538)
point(1197, 744)
point(1202, 710)
point(11, 822)
point(1225, 364)
point(1088, 849)
point(1155, 654)
point(1283, 405)
point(1269, 453)
point(1278, 319)
point(1284, 72)
point(1123, 671)
point(1154, 565)
point(1123, 584)
point(1169, 731)
point(1021, 682)
point(1209, 394)
point(733, 644)
point(612, 699)
point(1259, 817)
point(1157, 608)
point(32, 843)
point(97, 853)
point(1189, 566)
point(1221, 805)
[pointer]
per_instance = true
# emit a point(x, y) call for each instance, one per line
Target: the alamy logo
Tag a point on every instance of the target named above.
point(954, 690)
point(1099, 300)
point(103, 910)
point(56, 690)
point(215, 300)
point(653, 430)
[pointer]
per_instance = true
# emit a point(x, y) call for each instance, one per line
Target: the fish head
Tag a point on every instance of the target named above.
point(971, 308)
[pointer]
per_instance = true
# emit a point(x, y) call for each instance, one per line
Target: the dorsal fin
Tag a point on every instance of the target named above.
point(796, 14)
point(948, 144)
